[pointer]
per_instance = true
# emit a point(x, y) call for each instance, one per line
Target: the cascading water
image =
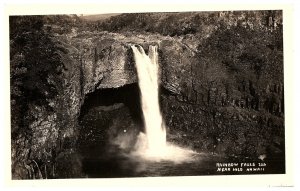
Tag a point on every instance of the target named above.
point(147, 70)
point(153, 144)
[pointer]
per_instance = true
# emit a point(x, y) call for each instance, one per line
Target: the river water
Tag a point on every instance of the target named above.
point(113, 162)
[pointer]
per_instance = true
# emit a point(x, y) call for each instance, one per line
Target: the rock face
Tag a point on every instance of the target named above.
point(222, 92)
point(107, 62)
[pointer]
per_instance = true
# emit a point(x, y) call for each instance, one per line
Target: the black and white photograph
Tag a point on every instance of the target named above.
point(147, 94)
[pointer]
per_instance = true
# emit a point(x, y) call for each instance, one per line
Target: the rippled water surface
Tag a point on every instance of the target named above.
point(113, 162)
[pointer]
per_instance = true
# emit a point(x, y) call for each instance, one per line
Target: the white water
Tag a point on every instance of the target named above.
point(147, 70)
point(153, 144)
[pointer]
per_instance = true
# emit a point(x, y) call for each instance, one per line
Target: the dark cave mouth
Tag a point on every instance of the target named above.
point(108, 115)
point(108, 99)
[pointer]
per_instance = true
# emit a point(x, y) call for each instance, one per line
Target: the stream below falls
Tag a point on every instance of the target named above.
point(113, 162)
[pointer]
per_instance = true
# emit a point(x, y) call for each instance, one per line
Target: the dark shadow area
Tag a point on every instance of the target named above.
point(129, 95)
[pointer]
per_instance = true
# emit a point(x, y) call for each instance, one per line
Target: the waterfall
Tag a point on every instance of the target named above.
point(147, 70)
point(153, 145)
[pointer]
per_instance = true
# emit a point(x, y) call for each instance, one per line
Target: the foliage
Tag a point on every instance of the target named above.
point(183, 23)
point(35, 66)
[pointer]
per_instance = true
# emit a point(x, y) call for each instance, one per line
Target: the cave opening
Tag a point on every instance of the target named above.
point(107, 115)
